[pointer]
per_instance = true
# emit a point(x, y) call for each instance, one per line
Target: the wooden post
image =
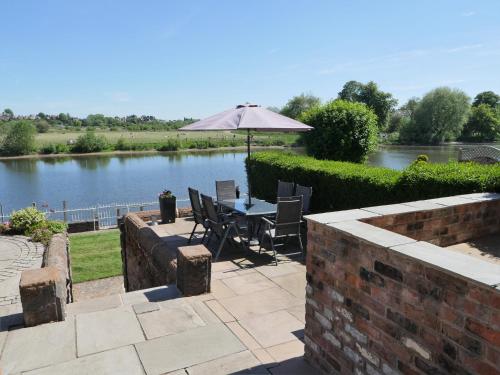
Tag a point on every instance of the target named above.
point(65, 213)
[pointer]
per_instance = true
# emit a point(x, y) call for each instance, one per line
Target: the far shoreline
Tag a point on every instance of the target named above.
point(143, 152)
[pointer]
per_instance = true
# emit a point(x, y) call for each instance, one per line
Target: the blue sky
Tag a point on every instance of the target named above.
point(174, 59)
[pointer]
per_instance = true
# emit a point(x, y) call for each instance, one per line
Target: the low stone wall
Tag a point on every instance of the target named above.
point(46, 291)
point(147, 259)
point(379, 302)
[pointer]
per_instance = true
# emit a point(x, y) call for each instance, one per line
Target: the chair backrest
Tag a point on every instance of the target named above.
point(225, 190)
point(194, 197)
point(285, 189)
point(288, 215)
point(306, 193)
point(211, 211)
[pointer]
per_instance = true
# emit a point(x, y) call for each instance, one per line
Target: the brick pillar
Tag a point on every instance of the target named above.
point(43, 296)
point(194, 265)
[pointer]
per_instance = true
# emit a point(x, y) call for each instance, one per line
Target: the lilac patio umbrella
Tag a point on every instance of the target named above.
point(248, 117)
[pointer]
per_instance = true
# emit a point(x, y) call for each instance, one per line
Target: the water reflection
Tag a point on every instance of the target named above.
point(87, 180)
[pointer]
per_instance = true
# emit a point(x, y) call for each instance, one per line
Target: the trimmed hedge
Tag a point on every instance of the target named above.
point(342, 185)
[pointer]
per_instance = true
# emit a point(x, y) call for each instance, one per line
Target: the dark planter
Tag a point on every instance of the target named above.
point(167, 210)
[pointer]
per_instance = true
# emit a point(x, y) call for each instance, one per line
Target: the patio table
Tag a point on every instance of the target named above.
point(252, 212)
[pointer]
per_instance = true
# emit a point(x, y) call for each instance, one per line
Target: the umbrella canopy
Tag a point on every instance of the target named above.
point(248, 117)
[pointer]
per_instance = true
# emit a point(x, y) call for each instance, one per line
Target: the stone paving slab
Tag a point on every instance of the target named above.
point(295, 283)
point(92, 305)
point(452, 261)
point(150, 295)
point(372, 234)
point(272, 271)
point(294, 366)
point(262, 302)
point(35, 347)
point(337, 216)
point(273, 329)
point(117, 361)
point(167, 321)
point(107, 329)
point(188, 348)
point(287, 350)
point(249, 283)
point(239, 363)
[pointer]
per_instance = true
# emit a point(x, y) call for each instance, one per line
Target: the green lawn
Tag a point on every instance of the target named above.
point(95, 255)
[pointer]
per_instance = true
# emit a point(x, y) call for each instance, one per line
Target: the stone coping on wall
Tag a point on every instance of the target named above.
point(471, 268)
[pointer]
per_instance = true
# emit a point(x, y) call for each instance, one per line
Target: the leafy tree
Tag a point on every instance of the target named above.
point(382, 103)
point(408, 109)
point(438, 117)
point(343, 130)
point(488, 98)
point(8, 113)
point(299, 104)
point(42, 126)
point(97, 120)
point(483, 124)
point(20, 139)
point(90, 142)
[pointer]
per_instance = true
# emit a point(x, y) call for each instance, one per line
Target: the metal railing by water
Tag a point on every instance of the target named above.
point(102, 215)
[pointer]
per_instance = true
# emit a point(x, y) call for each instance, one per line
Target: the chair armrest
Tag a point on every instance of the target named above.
point(267, 221)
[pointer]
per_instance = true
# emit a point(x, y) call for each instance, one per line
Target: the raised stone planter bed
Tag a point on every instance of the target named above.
point(383, 296)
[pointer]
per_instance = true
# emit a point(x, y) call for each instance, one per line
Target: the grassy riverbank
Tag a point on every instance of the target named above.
point(95, 255)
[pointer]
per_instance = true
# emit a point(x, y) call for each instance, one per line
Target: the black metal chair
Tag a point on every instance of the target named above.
point(287, 224)
point(222, 226)
point(198, 214)
point(306, 193)
point(285, 189)
point(225, 190)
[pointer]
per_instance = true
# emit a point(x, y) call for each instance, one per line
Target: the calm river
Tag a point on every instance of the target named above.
point(89, 180)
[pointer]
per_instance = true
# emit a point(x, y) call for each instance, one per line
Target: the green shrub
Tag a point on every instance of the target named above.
point(42, 235)
point(429, 180)
point(336, 185)
point(342, 185)
point(27, 220)
point(48, 149)
point(20, 139)
point(56, 226)
point(61, 148)
point(90, 142)
point(170, 145)
point(343, 131)
point(422, 158)
point(123, 145)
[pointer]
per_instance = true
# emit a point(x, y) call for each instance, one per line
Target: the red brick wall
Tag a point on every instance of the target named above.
point(371, 310)
point(446, 226)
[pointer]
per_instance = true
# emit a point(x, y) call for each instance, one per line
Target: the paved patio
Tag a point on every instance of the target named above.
point(252, 323)
point(17, 253)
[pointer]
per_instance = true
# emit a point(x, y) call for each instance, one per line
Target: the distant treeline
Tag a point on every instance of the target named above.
point(44, 122)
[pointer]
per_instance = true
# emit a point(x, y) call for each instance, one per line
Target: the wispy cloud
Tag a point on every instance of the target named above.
point(395, 58)
point(469, 13)
point(390, 58)
point(463, 48)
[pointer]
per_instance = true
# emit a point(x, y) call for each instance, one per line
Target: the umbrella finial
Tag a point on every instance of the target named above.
point(247, 104)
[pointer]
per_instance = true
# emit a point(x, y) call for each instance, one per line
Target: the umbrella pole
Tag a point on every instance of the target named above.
point(248, 160)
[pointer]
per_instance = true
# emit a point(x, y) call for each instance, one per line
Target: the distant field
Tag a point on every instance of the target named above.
point(156, 137)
